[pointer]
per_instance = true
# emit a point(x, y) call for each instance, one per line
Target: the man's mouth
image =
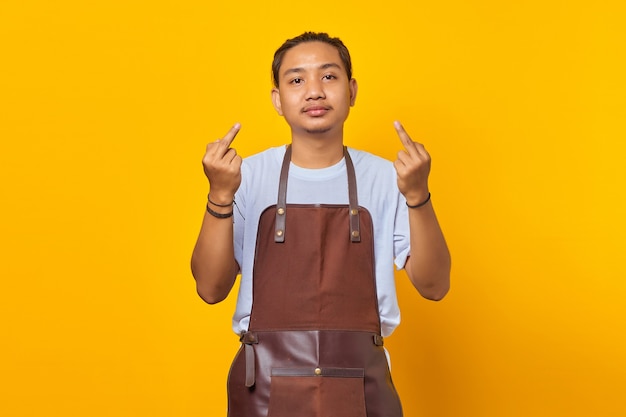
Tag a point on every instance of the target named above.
point(316, 111)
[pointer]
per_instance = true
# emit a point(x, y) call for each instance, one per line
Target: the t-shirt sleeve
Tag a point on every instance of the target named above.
point(401, 234)
point(239, 222)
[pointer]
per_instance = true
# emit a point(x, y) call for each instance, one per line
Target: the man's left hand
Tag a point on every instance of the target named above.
point(413, 167)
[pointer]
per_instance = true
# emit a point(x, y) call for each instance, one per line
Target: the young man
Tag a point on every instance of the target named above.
point(317, 230)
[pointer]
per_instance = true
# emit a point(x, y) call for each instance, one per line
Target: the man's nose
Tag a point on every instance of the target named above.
point(315, 89)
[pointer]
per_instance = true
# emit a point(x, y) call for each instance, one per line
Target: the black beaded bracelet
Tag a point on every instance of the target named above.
point(216, 214)
point(423, 203)
point(219, 205)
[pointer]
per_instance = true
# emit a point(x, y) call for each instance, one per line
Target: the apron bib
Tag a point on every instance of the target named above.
point(313, 348)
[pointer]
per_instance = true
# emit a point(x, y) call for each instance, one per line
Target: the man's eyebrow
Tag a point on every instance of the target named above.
point(330, 65)
point(293, 71)
point(299, 70)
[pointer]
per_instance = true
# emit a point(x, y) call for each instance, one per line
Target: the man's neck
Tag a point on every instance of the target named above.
point(316, 152)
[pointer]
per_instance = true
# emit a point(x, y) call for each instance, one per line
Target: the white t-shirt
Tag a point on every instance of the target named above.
point(377, 192)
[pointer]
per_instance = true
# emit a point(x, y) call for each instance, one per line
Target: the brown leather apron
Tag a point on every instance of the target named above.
point(313, 348)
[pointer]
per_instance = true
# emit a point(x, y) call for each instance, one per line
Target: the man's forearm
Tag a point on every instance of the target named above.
point(428, 267)
point(213, 261)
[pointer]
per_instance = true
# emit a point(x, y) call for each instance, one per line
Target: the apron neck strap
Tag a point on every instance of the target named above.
point(281, 206)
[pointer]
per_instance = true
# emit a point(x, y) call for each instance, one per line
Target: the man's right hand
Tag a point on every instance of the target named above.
point(222, 166)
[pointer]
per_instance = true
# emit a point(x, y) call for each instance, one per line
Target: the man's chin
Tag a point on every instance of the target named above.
point(317, 131)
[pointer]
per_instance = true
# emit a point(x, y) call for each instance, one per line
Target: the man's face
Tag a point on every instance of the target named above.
point(314, 93)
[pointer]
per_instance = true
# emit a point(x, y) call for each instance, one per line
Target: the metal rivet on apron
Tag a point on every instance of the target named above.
point(318, 371)
point(279, 233)
point(355, 233)
point(354, 212)
point(281, 211)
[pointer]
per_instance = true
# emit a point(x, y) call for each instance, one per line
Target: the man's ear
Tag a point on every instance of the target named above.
point(276, 101)
point(354, 87)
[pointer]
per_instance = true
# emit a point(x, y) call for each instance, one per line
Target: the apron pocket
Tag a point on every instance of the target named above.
point(317, 392)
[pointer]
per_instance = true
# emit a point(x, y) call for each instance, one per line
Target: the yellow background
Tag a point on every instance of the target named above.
point(105, 110)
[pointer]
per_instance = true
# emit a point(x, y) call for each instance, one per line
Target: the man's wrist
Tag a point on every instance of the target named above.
point(218, 214)
point(421, 203)
point(222, 200)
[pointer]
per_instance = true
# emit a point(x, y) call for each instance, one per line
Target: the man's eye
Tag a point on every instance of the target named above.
point(329, 77)
point(296, 81)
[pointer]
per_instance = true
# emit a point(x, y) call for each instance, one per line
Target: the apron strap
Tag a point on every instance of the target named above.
point(281, 205)
point(248, 339)
point(355, 232)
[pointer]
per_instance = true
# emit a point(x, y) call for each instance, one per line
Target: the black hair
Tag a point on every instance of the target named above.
point(344, 54)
